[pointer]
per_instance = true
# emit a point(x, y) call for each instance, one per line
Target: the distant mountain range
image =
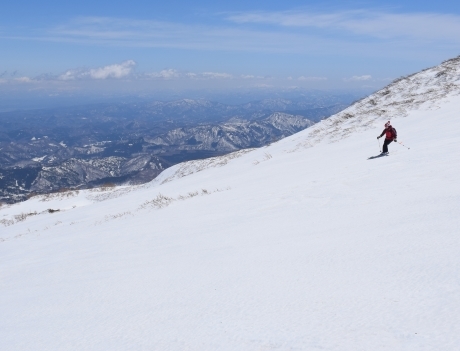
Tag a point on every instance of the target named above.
point(47, 150)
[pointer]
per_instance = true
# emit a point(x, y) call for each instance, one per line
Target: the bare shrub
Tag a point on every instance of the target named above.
point(162, 201)
point(118, 215)
point(266, 157)
point(104, 187)
point(20, 217)
point(59, 195)
point(6, 222)
point(64, 190)
point(107, 186)
point(159, 202)
point(23, 216)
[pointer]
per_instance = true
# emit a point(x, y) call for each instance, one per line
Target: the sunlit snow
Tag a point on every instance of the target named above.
point(302, 245)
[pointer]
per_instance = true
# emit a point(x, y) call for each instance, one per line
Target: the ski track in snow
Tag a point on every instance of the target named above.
point(301, 245)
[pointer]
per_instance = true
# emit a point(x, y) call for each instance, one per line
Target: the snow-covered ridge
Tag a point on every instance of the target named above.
point(423, 90)
point(268, 249)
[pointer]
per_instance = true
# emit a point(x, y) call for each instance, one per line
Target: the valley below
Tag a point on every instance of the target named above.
point(49, 150)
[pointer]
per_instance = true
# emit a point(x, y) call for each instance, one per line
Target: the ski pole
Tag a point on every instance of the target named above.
point(379, 144)
point(403, 145)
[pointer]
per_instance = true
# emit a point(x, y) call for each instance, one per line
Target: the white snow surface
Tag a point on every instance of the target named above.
point(302, 245)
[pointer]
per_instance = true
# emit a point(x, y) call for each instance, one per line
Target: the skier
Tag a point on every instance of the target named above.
point(390, 135)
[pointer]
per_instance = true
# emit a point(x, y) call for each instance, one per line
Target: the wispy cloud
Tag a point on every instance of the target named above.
point(152, 33)
point(23, 80)
point(125, 70)
point(359, 78)
point(289, 31)
point(363, 22)
point(216, 75)
point(338, 34)
point(164, 74)
point(18, 80)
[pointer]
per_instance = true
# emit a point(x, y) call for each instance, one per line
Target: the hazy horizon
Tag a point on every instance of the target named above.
point(31, 100)
point(112, 49)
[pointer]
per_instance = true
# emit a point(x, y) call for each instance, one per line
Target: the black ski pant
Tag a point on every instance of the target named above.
point(385, 145)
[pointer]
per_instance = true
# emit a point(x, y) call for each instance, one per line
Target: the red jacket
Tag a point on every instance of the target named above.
point(390, 133)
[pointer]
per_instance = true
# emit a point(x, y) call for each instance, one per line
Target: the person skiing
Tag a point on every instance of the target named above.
point(390, 135)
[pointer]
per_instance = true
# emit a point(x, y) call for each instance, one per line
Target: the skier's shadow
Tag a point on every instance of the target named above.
point(378, 156)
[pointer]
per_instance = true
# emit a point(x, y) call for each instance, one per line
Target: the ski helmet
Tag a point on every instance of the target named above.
point(388, 124)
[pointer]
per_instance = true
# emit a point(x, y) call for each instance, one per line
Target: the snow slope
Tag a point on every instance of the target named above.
point(302, 245)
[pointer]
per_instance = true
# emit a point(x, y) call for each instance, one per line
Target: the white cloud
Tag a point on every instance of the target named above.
point(216, 75)
point(312, 79)
point(125, 69)
point(117, 71)
point(69, 75)
point(360, 78)
point(175, 74)
point(165, 74)
point(113, 71)
point(23, 80)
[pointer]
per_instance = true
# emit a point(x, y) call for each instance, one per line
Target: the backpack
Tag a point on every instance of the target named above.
point(390, 133)
point(393, 133)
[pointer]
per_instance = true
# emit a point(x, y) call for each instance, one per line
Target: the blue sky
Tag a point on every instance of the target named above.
point(142, 45)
